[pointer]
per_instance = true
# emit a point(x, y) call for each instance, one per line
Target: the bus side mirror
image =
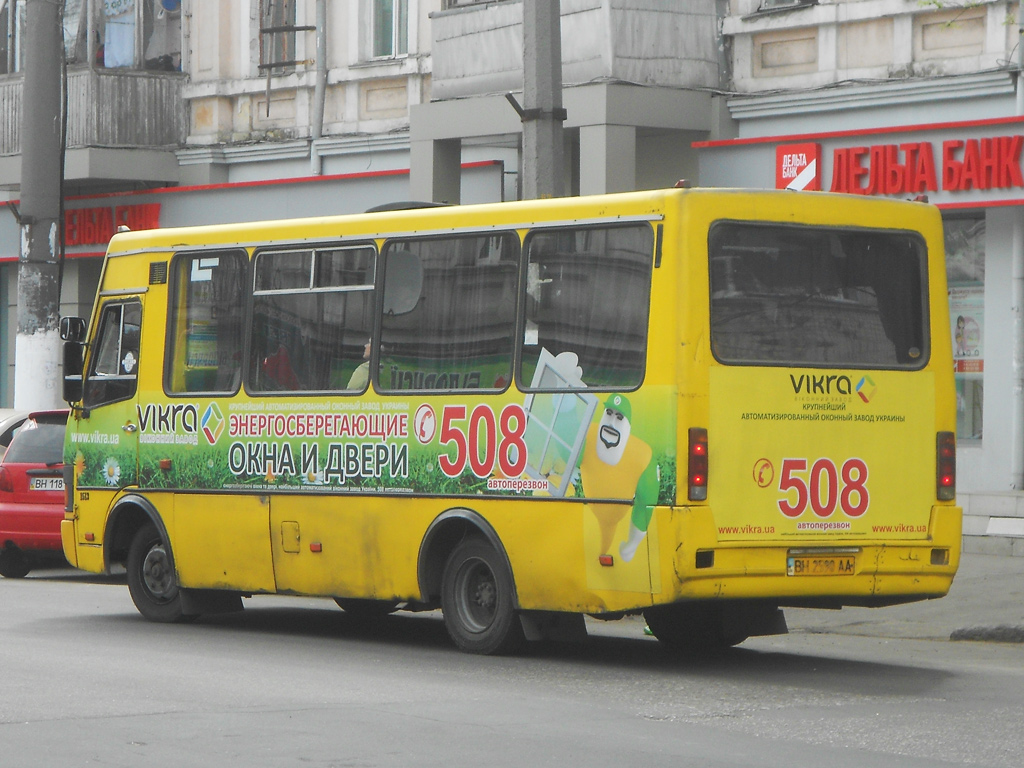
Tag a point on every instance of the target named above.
point(403, 282)
point(72, 329)
point(74, 363)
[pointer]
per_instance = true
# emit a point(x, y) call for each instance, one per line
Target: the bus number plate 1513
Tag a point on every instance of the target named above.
point(819, 565)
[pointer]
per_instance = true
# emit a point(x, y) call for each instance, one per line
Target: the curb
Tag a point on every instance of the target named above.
point(1001, 634)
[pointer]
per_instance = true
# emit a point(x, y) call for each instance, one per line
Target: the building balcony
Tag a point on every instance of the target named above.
point(478, 47)
point(123, 127)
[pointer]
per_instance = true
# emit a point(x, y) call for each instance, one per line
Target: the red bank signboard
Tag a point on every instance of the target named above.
point(798, 166)
point(95, 226)
point(957, 165)
point(962, 164)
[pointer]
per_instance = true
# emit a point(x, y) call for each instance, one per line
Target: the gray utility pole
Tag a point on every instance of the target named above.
point(543, 148)
point(37, 347)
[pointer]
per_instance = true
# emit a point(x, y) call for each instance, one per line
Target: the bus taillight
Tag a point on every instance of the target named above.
point(698, 465)
point(945, 466)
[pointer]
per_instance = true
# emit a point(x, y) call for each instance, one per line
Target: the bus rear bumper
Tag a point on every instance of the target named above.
point(824, 573)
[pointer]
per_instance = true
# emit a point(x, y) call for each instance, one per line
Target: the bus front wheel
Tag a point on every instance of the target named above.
point(151, 579)
point(476, 599)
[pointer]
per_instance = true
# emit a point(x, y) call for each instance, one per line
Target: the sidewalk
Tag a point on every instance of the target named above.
point(986, 602)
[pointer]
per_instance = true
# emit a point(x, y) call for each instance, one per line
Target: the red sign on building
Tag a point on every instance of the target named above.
point(95, 226)
point(798, 166)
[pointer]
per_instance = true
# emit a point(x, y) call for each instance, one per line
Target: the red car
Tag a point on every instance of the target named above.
point(32, 494)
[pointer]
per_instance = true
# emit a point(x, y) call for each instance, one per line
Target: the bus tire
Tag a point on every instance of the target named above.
point(694, 628)
point(362, 608)
point(477, 602)
point(152, 582)
point(14, 564)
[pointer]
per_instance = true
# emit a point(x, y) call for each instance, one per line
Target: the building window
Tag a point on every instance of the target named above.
point(12, 27)
point(766, 6)
point(965, 272)
point(390, 28)
point(277, 35)
point(160, 21)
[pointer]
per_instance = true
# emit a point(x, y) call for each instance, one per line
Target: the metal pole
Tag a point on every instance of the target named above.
point(543, 148)
point(37, 344)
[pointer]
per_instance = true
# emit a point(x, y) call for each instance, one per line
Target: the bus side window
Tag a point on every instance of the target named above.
point(312, 317)
point(114, 370)
point(459, 335)
point(207, 307)
point(588, 294)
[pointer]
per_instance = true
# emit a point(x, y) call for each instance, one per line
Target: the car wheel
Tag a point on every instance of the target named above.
point(477, 600)
point(151, 579)
point(14, 564)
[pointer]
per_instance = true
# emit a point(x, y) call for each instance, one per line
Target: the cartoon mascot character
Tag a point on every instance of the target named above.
point(617, 465)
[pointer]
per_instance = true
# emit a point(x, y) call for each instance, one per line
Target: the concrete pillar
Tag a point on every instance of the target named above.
point(435, 172)
point(607, 159)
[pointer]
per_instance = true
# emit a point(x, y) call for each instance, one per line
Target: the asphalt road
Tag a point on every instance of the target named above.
point(85, 681)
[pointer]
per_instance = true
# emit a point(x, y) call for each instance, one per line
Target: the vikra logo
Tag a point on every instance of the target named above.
point(168, 418)
point(821, 385)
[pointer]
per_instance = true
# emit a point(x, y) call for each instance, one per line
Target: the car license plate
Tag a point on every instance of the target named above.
point(821, 565)
point(46, 484)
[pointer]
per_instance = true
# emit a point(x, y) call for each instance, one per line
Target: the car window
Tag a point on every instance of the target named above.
point(37, 443)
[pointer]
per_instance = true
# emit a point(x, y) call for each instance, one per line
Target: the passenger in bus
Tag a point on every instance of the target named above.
point(360, 378)
point(278, 368)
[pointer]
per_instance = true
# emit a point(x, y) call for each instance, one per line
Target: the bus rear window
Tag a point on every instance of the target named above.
point(814, 296)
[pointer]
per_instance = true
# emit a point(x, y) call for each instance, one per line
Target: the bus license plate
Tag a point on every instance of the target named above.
point(46, 484)
point(821, 565)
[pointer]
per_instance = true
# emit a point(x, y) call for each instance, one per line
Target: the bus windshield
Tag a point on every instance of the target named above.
point(801, 295)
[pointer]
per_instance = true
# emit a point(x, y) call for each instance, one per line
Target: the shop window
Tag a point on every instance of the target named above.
point(965, 272)
point(390, 26)
point(312, 320)
point(587, 296)
point(458, 331)
point(204, 348)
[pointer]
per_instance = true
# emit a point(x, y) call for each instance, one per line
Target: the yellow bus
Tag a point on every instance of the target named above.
point(698, 405)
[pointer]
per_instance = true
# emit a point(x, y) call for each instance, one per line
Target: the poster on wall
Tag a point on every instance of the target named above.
point(966, 305)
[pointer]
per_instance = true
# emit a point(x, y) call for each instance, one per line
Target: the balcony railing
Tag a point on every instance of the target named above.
point(106, 108)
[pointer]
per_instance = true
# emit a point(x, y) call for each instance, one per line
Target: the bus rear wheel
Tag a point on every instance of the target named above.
point(695, 628)
point(477, 601)
point(152, 582)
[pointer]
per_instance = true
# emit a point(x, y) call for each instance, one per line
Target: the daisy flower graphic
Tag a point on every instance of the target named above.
point(111, 471)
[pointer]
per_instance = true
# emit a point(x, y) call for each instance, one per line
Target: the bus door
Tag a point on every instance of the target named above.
point(219, 533)
point(107, 432)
